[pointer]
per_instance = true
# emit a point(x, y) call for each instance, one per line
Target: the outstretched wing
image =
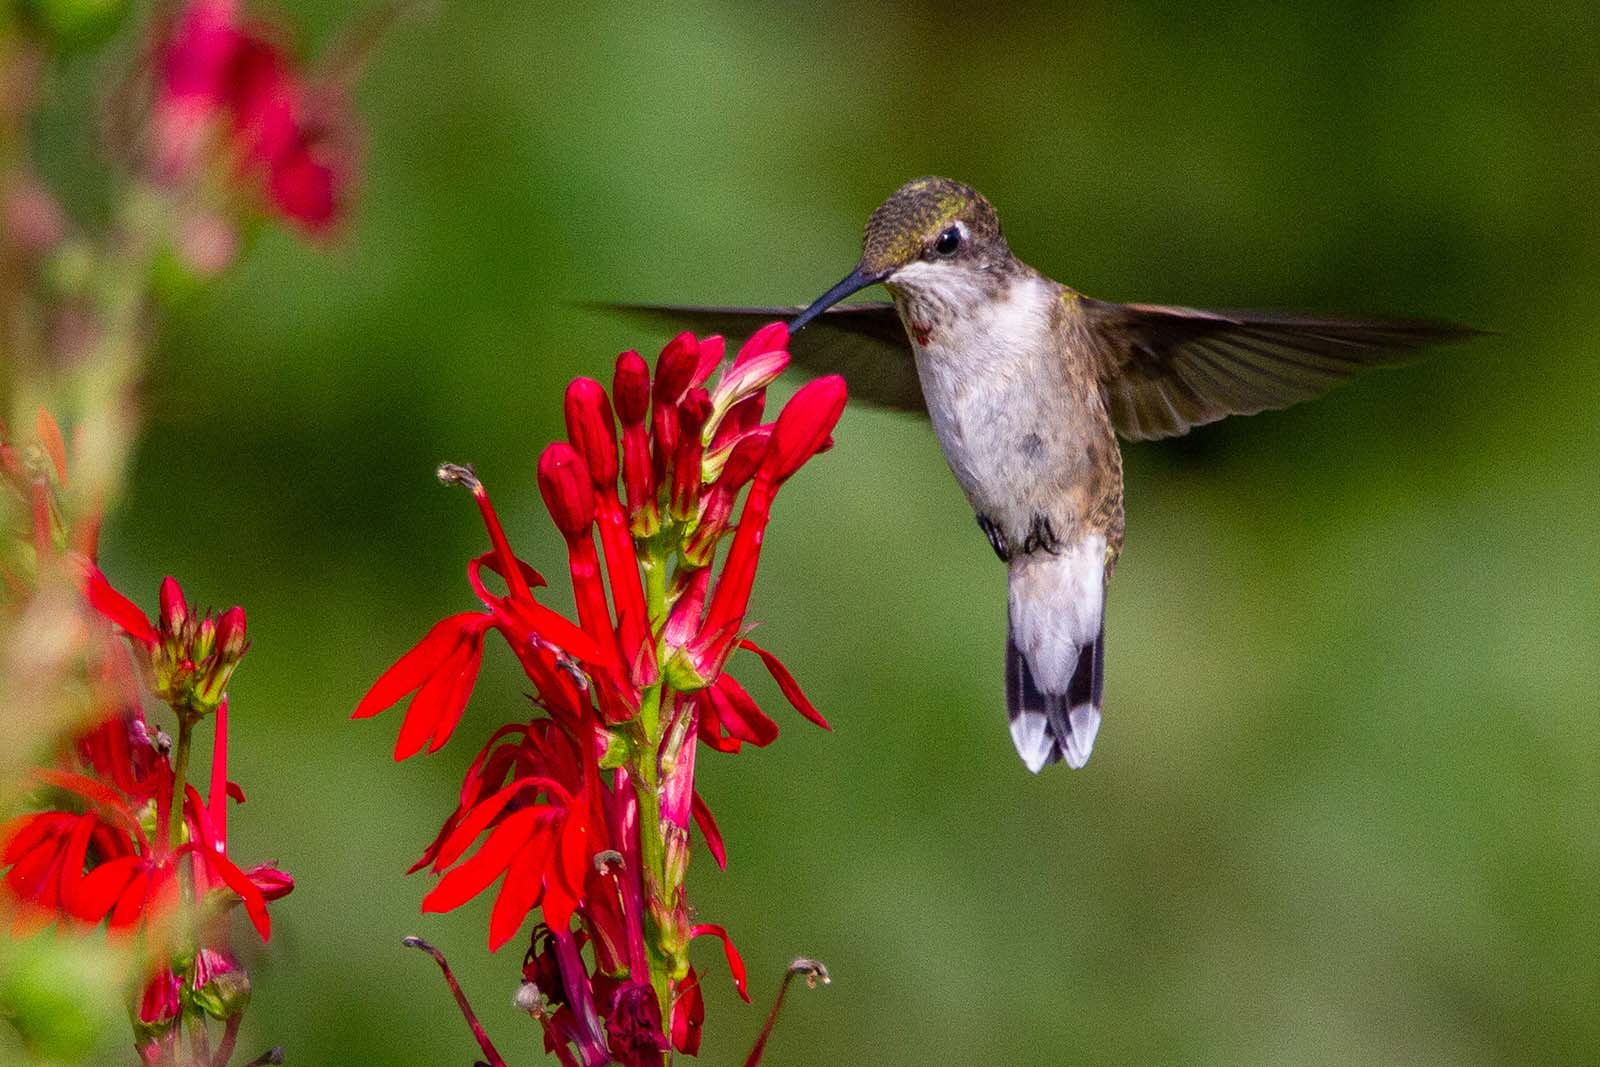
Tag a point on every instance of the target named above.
point(864, 342)
point(1165, 369)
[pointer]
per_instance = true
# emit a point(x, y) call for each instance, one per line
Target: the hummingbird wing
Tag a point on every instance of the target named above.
point(1165, 369)
point(864, 342)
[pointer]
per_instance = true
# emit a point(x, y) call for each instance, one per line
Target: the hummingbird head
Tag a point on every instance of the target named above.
point(933, 239)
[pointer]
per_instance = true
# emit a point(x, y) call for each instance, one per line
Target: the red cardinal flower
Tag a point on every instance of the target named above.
point(584, 811)
point(226, 90)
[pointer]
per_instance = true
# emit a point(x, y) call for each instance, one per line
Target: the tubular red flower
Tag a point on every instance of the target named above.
point(174, 610)
point(804, 426)
point(574, 814)
point(591, 430)
point(692, 415)
point(567, 490)
point(631, 385)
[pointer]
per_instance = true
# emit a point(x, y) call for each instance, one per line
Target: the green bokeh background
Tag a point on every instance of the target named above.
point(1344, 806)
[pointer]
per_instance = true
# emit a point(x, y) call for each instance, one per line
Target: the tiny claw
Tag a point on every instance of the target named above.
point(459, 474)
point(273, 1055)
point(604, 859)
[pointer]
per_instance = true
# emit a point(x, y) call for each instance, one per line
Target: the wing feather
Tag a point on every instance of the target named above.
point(1166, 369)
point(865, 342)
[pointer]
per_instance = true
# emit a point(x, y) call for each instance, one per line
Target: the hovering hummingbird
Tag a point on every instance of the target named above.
point(1028, 383)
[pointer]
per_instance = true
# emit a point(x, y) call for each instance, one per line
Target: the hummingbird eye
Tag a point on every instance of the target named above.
point(948, 242)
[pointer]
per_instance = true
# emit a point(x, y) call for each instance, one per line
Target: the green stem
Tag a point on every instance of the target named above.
point(180, 777)
point(647, 779)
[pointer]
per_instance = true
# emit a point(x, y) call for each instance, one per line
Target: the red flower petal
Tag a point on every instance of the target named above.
point(773, 337)
point(130, 905)
point(25, 832)
point(487, 864)
point(117, 608)
point(675, 368)
point(475, 822)
point(102, 887)
point(688, 1014)
point(739, 713)
point(431, 711)
point(521, 890)
point(90, 790)
point(255, 905)
point(735, 961)
point(415, 667)
point(787, 685)
point(709, 830)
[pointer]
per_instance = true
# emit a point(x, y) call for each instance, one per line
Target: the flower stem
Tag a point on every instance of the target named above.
point(493, 1055)
point(180, 777)
point(647, 777)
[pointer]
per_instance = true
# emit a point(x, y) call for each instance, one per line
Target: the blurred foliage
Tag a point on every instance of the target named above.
point(1343, 805)
point(62, 995)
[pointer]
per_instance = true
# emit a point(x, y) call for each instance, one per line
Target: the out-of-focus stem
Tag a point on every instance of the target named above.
point(180, 777)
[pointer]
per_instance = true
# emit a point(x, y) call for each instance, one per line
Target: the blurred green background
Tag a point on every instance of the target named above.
point(1344, 805)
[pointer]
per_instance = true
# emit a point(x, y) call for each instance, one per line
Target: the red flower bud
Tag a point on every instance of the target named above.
point(231, 635)
point(159, 1004)
point(773, 337)
point(631, 388)
point(174, 610)
point(675, 368)
point(273, 882)
point(711, 349)
point(742, 416)
point(692, 414)
point(745, 458)
point(807, 420)
point(567, 489)
point(591, 429)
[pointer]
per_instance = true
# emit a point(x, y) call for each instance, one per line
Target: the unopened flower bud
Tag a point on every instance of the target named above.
point(156, 1025)
point(218, 647)
point(174, 610)
point(591, 429)
point(692, 414)
point(231, 641)
point(630, 386)
point(205, 641)
point(567, 489)
point(675, 368)
point(807, 420)
point(273, 882)
point(221, 986)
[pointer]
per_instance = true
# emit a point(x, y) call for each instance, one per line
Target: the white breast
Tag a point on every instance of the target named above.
point(993, 388)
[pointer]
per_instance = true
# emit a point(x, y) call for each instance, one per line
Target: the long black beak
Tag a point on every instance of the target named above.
point(853, 282)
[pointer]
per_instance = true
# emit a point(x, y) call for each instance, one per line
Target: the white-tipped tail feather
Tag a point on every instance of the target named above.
point(1055, 653)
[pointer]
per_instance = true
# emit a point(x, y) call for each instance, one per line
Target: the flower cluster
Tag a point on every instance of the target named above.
point(228, 97)
point(584, 810)
point(117, 835)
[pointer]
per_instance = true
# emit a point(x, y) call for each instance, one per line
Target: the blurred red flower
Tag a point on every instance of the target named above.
point(227, 90)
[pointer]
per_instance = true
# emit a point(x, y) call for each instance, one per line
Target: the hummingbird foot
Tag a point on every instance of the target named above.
point(1042, 537)
point(997, 538)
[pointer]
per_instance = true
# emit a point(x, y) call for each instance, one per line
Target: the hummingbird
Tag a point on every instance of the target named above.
point(1028, 384)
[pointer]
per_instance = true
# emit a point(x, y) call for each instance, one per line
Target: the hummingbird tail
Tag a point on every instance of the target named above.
point(1055, 654)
